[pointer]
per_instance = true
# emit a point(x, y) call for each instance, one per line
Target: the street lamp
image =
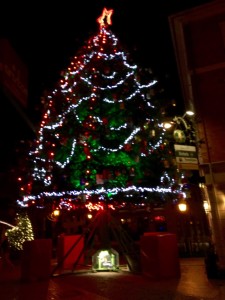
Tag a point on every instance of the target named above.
point(206, 206)
point(182, 128)
point(182, 205)
point(189, 113)
point(179, 120)
point(56, 213)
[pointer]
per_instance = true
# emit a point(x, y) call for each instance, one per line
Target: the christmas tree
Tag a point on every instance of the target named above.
point(101, 138)
point(20, 233)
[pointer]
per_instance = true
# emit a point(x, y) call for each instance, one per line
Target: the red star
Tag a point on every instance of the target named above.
point(106, 14)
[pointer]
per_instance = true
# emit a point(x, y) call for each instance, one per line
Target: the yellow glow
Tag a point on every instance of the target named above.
point(167, 125)
point(105, 14)
point(190, 113)
point(182, 206)
point(89, 216)
point(206, 206)
point(56, 213)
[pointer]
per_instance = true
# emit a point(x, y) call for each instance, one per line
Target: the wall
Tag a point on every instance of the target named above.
point(199, 43)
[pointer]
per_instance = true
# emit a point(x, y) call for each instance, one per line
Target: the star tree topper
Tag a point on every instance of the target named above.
point(105, 17)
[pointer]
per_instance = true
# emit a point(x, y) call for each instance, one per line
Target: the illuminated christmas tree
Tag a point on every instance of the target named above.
point(20, 233)
point(101, 139)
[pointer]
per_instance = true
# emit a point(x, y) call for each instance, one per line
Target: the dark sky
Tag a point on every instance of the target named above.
point(46, 35)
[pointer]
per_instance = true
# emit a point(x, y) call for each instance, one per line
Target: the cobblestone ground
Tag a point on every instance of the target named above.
point(84, 284)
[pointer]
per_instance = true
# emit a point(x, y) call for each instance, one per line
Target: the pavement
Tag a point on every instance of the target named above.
point(84, 284)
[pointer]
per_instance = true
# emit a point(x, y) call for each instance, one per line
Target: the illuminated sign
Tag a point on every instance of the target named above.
point(186, 157)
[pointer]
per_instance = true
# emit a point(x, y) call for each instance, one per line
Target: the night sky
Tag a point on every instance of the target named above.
point(46, 36)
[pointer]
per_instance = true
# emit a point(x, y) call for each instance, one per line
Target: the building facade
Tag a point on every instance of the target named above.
point(199, 42)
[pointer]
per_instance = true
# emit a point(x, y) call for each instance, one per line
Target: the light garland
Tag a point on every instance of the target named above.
point(84, 88)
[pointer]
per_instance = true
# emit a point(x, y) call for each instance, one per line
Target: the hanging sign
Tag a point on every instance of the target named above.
point(186, 157)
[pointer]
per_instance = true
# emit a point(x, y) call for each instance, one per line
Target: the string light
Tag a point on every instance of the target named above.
point(46, 158)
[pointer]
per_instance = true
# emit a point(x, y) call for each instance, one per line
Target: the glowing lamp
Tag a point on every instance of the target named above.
point(89, 216)
point(189, 113)
point(182, 205)
point(167, 125)
point(206, 206)
point(56, 213)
